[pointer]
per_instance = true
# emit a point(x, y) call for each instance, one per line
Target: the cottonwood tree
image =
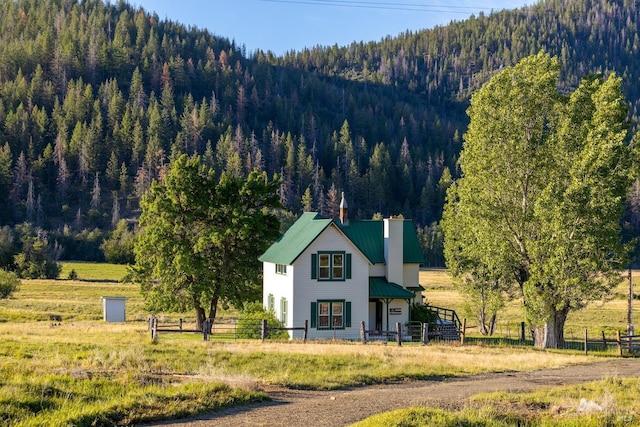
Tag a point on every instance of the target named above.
point(200, 238)
point(544, 179)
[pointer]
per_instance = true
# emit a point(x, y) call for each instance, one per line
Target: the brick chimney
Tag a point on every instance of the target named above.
point(344, 211)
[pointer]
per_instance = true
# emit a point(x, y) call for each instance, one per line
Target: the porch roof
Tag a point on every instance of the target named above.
point(379, 287)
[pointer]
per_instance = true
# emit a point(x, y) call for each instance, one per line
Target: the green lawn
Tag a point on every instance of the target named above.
point(93, 271)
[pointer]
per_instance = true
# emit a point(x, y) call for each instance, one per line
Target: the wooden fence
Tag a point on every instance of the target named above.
point(222, 328)
point(233, 329)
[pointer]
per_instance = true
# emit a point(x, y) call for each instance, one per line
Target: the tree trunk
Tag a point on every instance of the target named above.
point(492, 324)
point(200, 314)
point(482, 324)
point(213, 308)
point(551, 334)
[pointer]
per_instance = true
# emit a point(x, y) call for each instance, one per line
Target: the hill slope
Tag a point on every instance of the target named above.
point(95, 99)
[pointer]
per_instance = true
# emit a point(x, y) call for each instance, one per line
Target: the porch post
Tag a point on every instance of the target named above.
point(388, 301)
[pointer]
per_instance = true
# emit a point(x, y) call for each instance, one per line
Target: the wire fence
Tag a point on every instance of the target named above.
point(235, 329)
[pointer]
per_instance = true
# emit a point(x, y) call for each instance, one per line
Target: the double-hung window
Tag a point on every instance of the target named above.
point(284, 311)
point(281, 269)
point(331, 314)
point(331, 266)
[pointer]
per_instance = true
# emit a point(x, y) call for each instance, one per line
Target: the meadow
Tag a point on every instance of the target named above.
point(82, 371)
point(609, 316)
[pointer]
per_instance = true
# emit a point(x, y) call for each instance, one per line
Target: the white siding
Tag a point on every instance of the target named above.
point(354, 290)
point(396, 305)
point(411, 275)
point(377, 270)
point(412, 278)
point(280, 286)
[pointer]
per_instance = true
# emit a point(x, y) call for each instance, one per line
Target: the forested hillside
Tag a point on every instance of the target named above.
point(95, 101)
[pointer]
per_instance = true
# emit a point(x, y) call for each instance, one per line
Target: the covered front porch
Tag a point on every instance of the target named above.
point(389, 303)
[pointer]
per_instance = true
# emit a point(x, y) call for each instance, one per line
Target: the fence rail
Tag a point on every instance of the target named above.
point(629, 343)
point(257, 329)
point(230, 329)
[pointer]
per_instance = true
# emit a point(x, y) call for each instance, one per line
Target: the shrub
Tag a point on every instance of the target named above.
point(423, 314)
point(118, 247)
point(8, 284)
point(38, 257)
point(250, 322)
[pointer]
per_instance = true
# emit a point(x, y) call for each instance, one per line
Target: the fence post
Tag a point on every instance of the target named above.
point(425, 333)
point(586, 342)
point(304, 332)
point(154, 328)
point(463, 332)
point(205, 329)
point(181, 323)
point(619, 343)
point(399, 333)
point(263, 329)
point(363, 333)
point(604, 341)
point(522, 337)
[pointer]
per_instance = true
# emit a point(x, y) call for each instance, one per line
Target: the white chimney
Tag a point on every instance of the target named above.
point(344, 211)
point(393, 249)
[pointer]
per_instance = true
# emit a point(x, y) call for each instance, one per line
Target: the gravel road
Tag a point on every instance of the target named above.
point(343, 407)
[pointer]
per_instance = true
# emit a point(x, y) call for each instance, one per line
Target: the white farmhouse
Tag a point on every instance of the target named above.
point(336, 274)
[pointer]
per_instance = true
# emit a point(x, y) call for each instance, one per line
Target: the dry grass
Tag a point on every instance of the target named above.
point(120, 359)
point(433, 358)
point(608, 316)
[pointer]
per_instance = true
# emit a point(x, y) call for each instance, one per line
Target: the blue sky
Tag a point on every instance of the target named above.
point(282, 25)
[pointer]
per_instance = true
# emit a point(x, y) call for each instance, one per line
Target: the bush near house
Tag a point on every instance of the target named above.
point(423, 314)
point(250, 321)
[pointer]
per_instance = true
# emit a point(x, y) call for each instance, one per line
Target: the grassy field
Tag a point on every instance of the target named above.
point(90, 271)
point(617, 400)
point(609, 317)
point(82, 371)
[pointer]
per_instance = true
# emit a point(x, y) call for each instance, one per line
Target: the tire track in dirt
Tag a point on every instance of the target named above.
point(343, 407)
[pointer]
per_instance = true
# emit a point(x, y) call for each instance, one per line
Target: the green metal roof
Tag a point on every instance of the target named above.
point(380, 288)
point(296, 239)
point(367, 236)
point(412, 252)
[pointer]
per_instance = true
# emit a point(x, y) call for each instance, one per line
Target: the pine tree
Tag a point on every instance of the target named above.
point(95, 192)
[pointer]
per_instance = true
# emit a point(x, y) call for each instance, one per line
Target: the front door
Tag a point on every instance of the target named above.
point(378, 315)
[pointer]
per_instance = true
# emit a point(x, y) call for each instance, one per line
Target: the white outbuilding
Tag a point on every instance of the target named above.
point(114, 309)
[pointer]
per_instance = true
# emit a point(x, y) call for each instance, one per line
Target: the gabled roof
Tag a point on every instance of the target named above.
point(380, 288)
point(367, 236)
point(296, 239)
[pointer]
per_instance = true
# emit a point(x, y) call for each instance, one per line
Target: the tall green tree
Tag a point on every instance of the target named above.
point(543, 189)
point(201, 236)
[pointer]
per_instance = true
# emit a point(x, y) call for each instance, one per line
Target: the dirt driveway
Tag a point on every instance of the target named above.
point(343, 407)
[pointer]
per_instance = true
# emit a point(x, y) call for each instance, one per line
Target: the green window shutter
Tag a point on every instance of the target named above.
point(347, 314)
point(314, 314)
point(348, 267)
point(314, 266)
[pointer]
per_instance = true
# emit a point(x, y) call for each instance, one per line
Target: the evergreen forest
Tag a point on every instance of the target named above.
point(96, 99)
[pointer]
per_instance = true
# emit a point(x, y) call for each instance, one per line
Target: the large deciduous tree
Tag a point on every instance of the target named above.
point(201, 236)
point(544, 179)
